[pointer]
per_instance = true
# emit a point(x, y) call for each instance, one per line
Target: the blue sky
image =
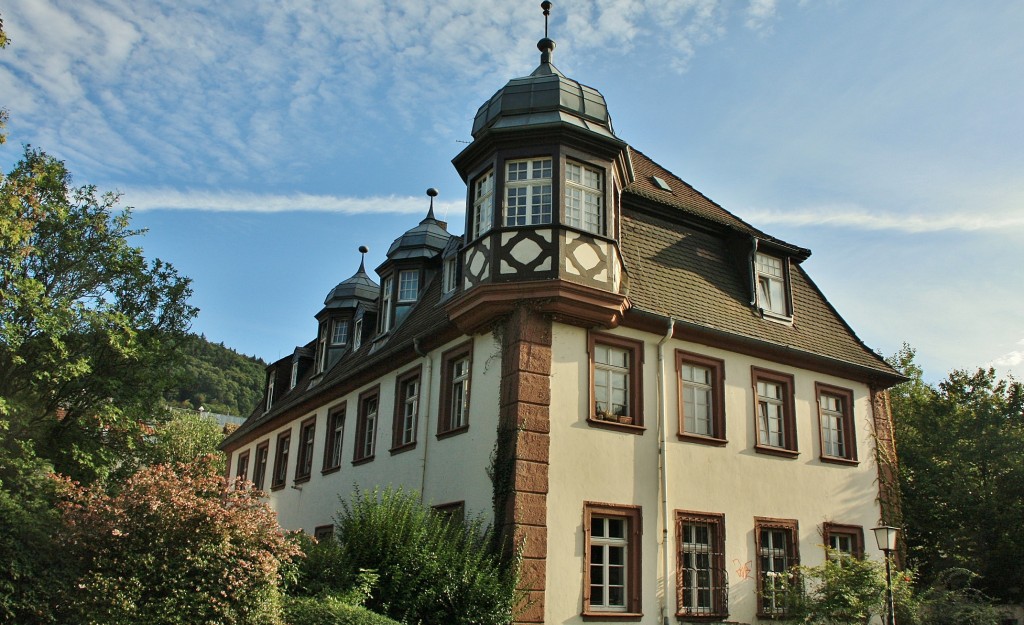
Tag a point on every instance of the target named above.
point(262, 143)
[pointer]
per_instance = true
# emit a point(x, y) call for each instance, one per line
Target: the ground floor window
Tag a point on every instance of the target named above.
point(700, 573)
point(612, 548)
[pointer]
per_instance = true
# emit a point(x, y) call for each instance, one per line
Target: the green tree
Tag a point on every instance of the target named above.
point(217, 378)
point(175, 546)
point(88, 327)
point(962, 475)
point(429, 569)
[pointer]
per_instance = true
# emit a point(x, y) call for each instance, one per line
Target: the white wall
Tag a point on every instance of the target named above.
point(455, 467)
point(595, 464)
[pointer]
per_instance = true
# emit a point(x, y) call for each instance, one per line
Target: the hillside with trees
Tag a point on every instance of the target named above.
point(216, 377)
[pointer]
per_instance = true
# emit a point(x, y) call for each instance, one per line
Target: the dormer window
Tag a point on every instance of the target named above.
point(340, 335)
point(270, 391)
point(483, 205)
point(385, 306)
point(584, 198)
point(771, 285)
point(408, 285)
point(321, 349)
point(451, 281)
point(528, 192)
point(295, 374)
point(357, 340)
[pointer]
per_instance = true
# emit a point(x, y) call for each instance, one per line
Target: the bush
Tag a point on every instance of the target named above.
point(429, 570)
point(174, 546)
point(841, 591)
point(328, 610)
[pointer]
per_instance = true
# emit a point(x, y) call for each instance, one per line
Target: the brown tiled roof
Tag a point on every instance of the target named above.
point(691, 275)
point(427, 319)
point(686, 198)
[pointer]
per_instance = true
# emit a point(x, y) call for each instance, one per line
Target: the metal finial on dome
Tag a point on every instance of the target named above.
point(545, 45)
point(432, 192)
point(363, 251)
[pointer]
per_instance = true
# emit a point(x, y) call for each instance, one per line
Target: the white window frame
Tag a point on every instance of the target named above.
point(611, 380)
point(607, 545)
point(458, 416)
point(385, 305)
point(295, 374)
point(772, 295)
point(270, 391)
point(451, 281)
point(408, 285)
point(771, 414)
point(357, 331)
point(321, 349)
point(339, 333)
point(483, 205)
point(698, 416)
point(584, 197)
point(528, 192)
point(410, 410)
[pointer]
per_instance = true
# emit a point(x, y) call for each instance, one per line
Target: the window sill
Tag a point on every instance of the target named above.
point(454, 432)
point(714, 441)
point(837, 460)
point(301, 479)
point(360, 461)
point(329, 470)
point(402, 448)
point(776, 317)
point(611, 616)
point(276, 487)
point(700, 618)
point(776, 451)
point(615, 425)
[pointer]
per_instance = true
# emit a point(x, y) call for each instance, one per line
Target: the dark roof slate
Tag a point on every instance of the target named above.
point(691, 275)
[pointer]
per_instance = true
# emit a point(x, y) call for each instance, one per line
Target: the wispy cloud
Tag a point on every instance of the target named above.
point(1010, 359)
point(862, 219)
point(226, 201)
point(175, 90)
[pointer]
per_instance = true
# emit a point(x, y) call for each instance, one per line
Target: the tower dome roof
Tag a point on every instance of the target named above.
point(545, 97)
point(426, 240)
point(348, 293)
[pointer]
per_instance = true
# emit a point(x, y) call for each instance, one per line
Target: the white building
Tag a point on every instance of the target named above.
point(597, 312)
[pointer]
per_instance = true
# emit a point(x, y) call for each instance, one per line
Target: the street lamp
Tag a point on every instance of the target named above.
point(885, 536)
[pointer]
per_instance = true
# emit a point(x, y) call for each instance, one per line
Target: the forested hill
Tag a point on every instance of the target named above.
point(217, 378)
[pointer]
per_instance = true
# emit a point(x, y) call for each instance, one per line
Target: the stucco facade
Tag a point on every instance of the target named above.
point(672, 413)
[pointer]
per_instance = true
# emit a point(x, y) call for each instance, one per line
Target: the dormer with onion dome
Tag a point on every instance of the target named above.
point(412, 261)
point(543, 173)
point(336, 330)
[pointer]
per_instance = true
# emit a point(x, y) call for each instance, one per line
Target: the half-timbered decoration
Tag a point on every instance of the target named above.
point(672, 412)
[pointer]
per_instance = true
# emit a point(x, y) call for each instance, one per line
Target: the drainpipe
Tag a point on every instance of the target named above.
point(663, 466)
point(425, 388)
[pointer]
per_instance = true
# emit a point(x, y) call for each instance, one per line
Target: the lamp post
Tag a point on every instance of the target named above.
point(885, 536)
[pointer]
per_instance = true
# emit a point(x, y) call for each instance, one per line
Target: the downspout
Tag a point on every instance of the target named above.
point(663, 466)
point(429, 378)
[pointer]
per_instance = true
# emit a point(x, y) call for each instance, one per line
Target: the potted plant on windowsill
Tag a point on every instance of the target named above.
point(625, 419)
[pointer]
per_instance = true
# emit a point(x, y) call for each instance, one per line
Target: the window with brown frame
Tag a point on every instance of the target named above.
point(778, 553)
point(242, 466)
point(843, 540)
point(334, 438)
point(323, 532)
point(407, 408)
point(774, 412)
point(701, 577)
point(280, 475)
point(835, 424)
point(701, 398)
point(616, 381)
point(454, 512)
point(366, 426)
point(611, 581)
point(456, 367)
point(259, 469)
point(307, 435)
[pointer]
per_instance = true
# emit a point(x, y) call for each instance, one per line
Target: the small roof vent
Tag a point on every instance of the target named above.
point(661, 184)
